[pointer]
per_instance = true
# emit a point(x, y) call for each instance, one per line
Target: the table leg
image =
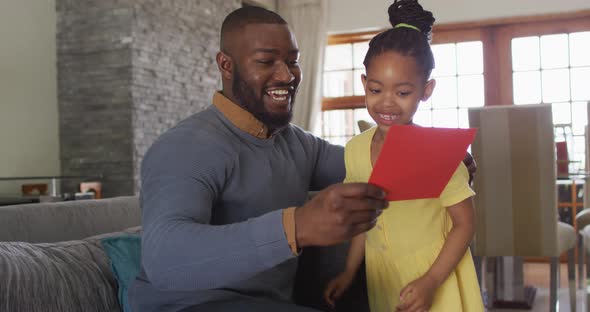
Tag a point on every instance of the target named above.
point(54, 187)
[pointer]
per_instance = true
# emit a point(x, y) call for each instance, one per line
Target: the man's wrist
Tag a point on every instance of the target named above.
point(300, 235)
point(290, 229)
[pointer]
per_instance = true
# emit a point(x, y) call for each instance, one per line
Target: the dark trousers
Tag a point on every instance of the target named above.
point(247, 305)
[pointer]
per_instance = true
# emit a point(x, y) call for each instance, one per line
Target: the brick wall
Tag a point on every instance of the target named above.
point(127, 71)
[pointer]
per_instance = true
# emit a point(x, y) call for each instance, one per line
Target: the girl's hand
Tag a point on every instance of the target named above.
point(337, 287)
point(418, 295)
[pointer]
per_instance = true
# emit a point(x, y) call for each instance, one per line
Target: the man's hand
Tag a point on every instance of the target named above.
point(471, 166)
point(338, 213)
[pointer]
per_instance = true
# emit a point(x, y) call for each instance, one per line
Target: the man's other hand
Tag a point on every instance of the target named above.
point(471, 166)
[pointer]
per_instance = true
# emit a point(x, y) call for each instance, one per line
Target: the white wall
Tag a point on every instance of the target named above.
point(268, 4)
point(29, 143)
point(354, 15)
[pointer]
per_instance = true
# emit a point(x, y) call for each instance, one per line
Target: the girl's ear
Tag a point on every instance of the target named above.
point(364, 80)
point(225, 65)
point(428, 89)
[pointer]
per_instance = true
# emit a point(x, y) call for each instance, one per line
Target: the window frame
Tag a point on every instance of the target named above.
point(496, 36)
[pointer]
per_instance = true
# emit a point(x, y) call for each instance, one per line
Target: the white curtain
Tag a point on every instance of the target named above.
point(308, 19)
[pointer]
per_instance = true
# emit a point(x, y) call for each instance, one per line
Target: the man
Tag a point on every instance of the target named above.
point(224, 193)
point(223, 196)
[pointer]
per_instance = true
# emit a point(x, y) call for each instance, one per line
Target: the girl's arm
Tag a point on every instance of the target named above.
point(356, 253)
point(340, 283)
point(457, 241)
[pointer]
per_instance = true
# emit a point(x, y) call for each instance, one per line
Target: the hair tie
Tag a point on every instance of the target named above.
point(404, 25)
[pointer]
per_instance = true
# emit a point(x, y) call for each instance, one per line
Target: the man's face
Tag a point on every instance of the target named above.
point(266, 73)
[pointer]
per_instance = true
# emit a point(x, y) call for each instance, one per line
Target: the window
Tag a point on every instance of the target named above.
point(343, 68)
point(459, 85)
point(339, 125)
point(544, 59)
point(555, 69)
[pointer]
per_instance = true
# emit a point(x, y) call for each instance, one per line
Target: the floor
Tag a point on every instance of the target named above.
point(537, 274)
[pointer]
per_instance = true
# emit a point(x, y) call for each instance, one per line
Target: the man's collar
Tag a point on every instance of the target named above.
point(240, 117)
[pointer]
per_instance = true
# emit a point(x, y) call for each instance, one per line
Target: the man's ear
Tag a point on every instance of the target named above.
point(225, 65)
point(428, 89)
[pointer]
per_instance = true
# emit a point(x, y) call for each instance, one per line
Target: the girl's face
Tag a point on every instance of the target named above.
point(394, 86)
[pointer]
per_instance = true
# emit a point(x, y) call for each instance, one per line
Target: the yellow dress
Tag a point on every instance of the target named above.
point(408, 237)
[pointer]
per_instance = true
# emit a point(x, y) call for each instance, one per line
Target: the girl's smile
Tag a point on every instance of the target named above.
point(394, 86)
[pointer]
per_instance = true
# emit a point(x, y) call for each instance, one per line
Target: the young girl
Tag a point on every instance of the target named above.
point(417, 256)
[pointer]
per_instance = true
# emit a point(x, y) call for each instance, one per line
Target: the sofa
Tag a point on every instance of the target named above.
point(52, 258)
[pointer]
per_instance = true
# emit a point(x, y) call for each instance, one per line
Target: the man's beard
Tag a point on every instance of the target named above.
point(253, 103)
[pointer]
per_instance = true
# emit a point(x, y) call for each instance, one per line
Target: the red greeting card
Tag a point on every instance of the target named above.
point(418, 162)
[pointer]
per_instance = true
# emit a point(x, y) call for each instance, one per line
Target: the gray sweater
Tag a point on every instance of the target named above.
point(212, 199)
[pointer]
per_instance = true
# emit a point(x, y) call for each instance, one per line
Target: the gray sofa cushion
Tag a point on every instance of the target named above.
point(69, 220)
point(68, 276)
